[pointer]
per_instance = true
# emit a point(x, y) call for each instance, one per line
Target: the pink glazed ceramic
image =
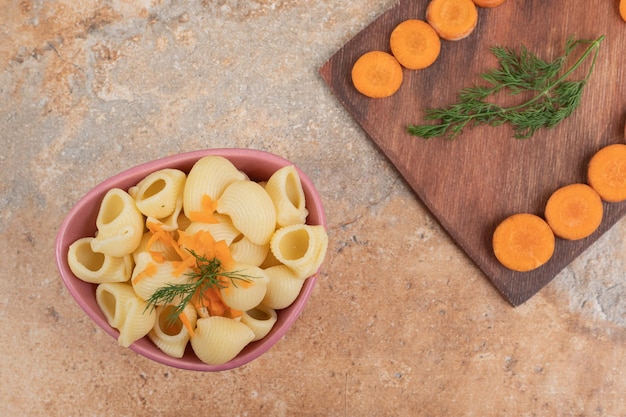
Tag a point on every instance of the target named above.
point(81, 222)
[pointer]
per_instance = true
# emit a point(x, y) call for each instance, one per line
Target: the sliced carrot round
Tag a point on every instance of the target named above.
point(523, 242)
point(488, 3)
point(606, 172)
point(574, 211)
point(452, 19)
point(415, 44)
point(622, 9)
point(377, 74)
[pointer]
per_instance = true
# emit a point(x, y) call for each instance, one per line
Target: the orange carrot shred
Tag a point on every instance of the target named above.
point(377, 74)
point(157, 257)
point(212, 300)
point(166, 237)
point(415, 44)
point(452, 19)
point(185, 320)
point(206, 214)
point(574, 211)
point(222, 252)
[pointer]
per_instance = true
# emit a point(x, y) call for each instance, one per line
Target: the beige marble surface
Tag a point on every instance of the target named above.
point(400, 323)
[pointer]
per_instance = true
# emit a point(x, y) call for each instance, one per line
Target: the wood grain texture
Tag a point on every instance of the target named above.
point(472, 183)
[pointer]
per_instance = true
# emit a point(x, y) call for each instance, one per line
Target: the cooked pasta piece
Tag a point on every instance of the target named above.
point(172, 337)
point(120, 224)
point(243, 295)
point(150, 275)
point(219, 339)
point(251, 210)
point(222, 230)
point(260, 319)
point(169, 223)
point(157, 194)
point(301, 247)
point(247, 252)
point(96, 267)
point(125, 311)
point(285, 190)
point(283, 287)
point(208, 176)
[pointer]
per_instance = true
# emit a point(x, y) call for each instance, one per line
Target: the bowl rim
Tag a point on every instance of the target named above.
point(144, 346)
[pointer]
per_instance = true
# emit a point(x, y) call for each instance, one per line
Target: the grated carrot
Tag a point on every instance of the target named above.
point(166, 237)
point(206, 214)
point(157, 257)
point(185, 320)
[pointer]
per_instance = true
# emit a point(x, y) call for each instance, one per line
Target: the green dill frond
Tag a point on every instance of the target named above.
point(554, 97)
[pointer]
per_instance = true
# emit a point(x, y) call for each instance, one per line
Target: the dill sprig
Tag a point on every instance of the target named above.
point(208, 273)
point(555, 98)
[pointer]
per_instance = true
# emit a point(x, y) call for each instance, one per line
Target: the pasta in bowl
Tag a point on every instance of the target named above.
point(200, 261)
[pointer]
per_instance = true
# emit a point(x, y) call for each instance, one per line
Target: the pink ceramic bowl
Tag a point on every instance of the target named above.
point(81, 222)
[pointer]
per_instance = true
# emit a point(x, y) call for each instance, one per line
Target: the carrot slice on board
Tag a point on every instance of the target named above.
point(574, 211)
point(452, 19)
point(606, 172)
point(488, 3)
point(622, 9)
point(377, 74)
point(415, 44)
point(523, 242)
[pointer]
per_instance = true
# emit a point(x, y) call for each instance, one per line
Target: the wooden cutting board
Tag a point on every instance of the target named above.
point(472, 183)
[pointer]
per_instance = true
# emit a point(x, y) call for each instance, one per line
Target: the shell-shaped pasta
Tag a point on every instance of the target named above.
point(169, 223)
point(301, 247)
point(96, 267)
point(148, 275)
point(283, 287)
point(246, 295)
point(125, 311)
point(120, 224)
point(219, 339)
point(247, 252)
point(172, 337)
point(251, 210)
point(157, 194)
point(208, 176)
point(260, 319)
point(222, 230)
point(285, 190)
point(157, 247)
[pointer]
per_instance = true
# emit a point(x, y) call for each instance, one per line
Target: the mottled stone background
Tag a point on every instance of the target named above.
point(400, 323)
